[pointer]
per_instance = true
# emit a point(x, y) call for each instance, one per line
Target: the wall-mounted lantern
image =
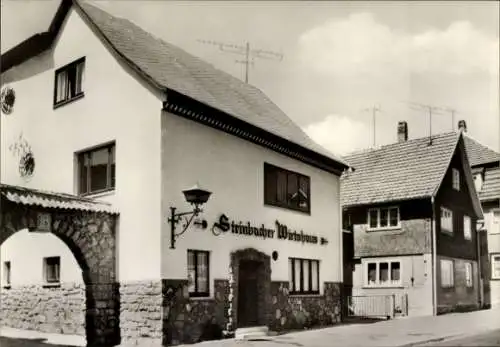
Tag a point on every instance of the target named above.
point(196, 196)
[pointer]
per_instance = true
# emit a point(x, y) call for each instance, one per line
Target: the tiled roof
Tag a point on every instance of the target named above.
point(491, 185)
point(400, 171)
point(479, 154)
point(46, 199)
point(170, 67)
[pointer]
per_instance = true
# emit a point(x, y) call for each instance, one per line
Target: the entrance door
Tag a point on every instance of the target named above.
point(248, 310)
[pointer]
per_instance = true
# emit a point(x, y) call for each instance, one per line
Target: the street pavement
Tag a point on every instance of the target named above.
point(474, 327)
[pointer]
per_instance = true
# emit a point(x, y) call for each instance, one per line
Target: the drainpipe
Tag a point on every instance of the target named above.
point(434, 260)
point(479, 268)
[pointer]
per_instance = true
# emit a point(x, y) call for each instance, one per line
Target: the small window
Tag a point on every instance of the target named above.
point(96, 170)
point(446, 220)
point(468, 275)
point(495, 266)
point(478, 181)
point(304, 276)
point(382, 218)
point(447, 276)
point(286, 189)
point(198, 273)
point(69, 82)
point(6, 273)
point(467, 228)
point(495, 224)
point(52, 268)
point(383, 273)
point(456, 179)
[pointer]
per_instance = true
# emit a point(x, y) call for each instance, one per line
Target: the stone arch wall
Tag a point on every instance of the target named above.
point(91, 238)
point(264, 283)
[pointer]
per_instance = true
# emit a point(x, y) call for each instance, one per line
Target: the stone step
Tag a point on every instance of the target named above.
point(251, 333)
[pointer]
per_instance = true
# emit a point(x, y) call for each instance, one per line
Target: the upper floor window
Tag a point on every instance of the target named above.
point(304, 276)
point(385, 217)
point(446, 220)
point(69, 82)
point(467, 228)
point(286, 189)
point(198, 279)
point(447, 273)
point(96, 169)
point(52, 269)
point(456, 179)
point(383, 273)
point(6, 273)
point(495, 224)
point(495, 266)
point(478, 181)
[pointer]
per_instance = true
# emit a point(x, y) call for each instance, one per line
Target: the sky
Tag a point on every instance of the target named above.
point(340, 59)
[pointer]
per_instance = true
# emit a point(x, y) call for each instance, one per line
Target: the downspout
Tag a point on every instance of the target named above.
point(434, 260)
point(479, 268)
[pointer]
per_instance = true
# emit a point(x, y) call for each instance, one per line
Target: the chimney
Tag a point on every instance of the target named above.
point(402, 131)
point(462, 126)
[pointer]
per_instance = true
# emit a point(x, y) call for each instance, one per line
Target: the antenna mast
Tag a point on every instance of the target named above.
point(250, 54)
point(431, 109)
point(374, 110)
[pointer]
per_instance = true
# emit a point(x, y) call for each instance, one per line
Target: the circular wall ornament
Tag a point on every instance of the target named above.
point(8, 98)
point(27, 165)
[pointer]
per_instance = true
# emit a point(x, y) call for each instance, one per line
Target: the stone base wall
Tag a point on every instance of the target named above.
point(140, 313)
point(185, 317)
point(299, 312)
point(58, 309)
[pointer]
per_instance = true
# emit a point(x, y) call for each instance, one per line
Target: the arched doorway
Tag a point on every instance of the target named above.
point(88, 229)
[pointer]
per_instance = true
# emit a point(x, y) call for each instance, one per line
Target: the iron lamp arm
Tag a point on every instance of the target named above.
point(176, 218)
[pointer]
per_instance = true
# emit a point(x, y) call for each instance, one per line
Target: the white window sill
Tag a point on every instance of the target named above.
point(305, 295)
point(383, 286)
point(201, 298)
point(100, 194)
point(397, 227)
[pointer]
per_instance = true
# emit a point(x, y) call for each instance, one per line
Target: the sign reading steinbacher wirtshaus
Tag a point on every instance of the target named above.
point(282, 232)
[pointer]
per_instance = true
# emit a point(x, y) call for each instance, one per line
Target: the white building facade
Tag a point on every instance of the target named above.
point(96, 123)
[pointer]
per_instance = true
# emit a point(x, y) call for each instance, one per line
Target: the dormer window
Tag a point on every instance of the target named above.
point(69, 82)
point(456, 179)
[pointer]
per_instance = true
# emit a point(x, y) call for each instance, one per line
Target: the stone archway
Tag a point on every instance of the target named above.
point(88, 229)
point(242, 262)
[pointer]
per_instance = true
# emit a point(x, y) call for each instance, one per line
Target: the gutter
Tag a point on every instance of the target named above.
point(434, 256)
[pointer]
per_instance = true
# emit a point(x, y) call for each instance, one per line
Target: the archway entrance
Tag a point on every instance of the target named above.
point(252, 299)
point(88, 229)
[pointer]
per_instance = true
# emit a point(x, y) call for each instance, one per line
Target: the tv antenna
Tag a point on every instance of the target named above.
point(250, 53)
point(430, 109)
point(374, 109)
point(452, 112)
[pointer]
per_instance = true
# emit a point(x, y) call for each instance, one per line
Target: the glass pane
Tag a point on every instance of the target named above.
point(290, 273)
point(372, 273)
point(384, 273)
point(293, 190)
point(61, 86)
point(496, 266)
point(373, 218)
point(384, 218)
point(393, 217)
point(305, 265)
point(191, 272)
point(304, 192)
point(98, 169)
point(315, 276)
point(395, 272)
point(298, 287)
point(271, 185)
point(71, 72)
point(79, 77)
point(202, 271)
point(281, 187)
point(113, 172)
point(83, 163)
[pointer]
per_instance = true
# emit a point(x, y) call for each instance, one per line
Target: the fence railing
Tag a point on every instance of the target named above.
point(376, 306)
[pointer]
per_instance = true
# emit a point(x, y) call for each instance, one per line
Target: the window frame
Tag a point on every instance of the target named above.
point(443, 230)
point(379, 227)
point(286, 205)
point(455, 177)
point(309, 262)
point(467, 236)
point(7, 274)
point(110, 180)
point(390, 283)
point(492, 262)
point(46, 279)
point(452, 262)
point(469, 282)
point(197, 293)
point(60, 70)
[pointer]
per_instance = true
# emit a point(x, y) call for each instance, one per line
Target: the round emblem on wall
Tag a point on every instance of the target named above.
point(27, 165)
point(8, 98)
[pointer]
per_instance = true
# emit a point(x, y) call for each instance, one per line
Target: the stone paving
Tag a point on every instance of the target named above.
point(403, 332)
